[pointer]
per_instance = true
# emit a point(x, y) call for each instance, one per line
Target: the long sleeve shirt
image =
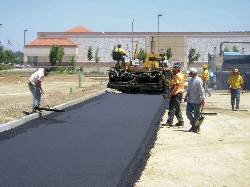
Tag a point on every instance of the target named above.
point(195, 92)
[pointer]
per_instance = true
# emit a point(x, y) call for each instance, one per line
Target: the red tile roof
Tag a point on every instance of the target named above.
point(47, 42)
point(79, 29)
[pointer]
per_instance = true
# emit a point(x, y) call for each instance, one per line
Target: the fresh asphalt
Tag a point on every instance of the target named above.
point(100, 143)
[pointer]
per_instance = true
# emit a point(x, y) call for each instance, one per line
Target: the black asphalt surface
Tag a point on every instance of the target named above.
point(99, 143)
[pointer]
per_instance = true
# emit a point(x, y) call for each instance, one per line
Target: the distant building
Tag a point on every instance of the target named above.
point(76, 42)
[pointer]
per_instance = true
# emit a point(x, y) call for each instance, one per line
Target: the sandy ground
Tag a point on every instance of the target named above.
point(15, 96)
point(218, 156)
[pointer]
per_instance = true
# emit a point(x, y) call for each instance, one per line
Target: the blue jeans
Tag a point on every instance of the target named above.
point(193, 107)
point(36, 93)
point(235, 96)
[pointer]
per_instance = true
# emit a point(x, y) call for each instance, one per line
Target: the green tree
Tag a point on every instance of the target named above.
point(60, 54)
point(97, 58)
point(193, 56)
point(90, 54)
point(168, 53)
point(142, 55)
point(226, 49)
point(56, 55)
point(235, 49)
point(9, 56)
point(1, 54)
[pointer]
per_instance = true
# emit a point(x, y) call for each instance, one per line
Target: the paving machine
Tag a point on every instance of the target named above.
point(150, 75)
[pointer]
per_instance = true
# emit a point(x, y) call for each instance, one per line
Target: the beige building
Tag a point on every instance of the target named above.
point(76, 42)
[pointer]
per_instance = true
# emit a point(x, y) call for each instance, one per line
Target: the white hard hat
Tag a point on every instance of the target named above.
point(193, 70)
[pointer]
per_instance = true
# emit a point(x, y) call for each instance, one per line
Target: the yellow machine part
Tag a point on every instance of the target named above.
point(152, 61)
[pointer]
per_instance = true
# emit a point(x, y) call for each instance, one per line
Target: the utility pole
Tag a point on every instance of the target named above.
point(133, 40)
point(159, 15)
point(24, 37)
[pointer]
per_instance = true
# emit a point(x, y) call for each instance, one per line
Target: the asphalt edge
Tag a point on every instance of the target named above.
point(134, 170)
point(18, 122)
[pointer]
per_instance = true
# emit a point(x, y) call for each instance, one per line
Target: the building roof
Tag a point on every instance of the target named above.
point(47, 42)
point(78, 29)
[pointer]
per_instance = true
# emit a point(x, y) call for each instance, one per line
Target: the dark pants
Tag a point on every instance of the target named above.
point(235, 96)
point(174, 108)
point(193, 107)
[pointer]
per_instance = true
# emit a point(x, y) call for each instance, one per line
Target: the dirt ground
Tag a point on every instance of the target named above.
point(15, 96)
point(218, 156)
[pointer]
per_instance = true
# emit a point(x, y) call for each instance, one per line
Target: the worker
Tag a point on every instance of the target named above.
point(235, 83)
point(205, 77)
point(176, 94)
point(119, 55)
point(194, 98)
point(35, 87)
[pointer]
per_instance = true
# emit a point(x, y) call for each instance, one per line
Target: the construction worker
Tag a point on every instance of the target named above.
point(235, 82)
point(194, 98)
point(176, 94)
point(119, 55)
point(205, 76)
point(35, 87)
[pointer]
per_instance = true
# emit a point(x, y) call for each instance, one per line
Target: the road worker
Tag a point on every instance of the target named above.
point(235, 83)
point(35, 86)
point(176, 93)
point(119, 55)
point(205, 77)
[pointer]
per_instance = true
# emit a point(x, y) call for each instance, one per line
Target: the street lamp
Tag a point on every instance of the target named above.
point(133, 40)
point(159, 15)
point(0, 25)
point(24, 37)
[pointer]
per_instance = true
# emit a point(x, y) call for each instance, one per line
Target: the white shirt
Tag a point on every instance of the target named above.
point(195, 92)
point(37, 76)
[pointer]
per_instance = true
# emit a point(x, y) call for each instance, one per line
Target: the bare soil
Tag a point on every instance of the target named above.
point(15, 97)
point(218, 156)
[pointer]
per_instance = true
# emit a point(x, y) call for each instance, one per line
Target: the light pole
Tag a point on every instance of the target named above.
point(159, 15)
point(0, 25)
point(133, 40)
point(24, 37)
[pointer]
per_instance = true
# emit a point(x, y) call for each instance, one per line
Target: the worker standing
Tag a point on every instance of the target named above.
point(119, 55)
point(194, 98)
point(235, 82)
point(205, 77)
point(176, 94)
point(35, 87)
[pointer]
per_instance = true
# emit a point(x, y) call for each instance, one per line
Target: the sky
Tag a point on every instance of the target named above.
point(116, 15)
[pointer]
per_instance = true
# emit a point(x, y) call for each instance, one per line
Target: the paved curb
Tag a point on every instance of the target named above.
point(25, 119)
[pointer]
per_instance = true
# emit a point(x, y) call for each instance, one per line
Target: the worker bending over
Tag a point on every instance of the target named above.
point(34, 83)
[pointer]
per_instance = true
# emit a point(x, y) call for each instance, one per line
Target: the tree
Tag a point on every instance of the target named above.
point(72, 64)
point(56, 55)
point(193, 56)
point(142, 55)
point(168, 53)
point(9, 56)
point(226, 49)
point(235, 49)
point(97, 58)
point(90, 54)
point(60, 54)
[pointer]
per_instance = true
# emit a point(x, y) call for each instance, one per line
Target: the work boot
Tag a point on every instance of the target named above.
point(191, 129)
point(168, 123)
point(180, 124)
point(233, 108)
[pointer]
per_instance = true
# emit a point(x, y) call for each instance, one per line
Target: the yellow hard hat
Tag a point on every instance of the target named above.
point(205, 66)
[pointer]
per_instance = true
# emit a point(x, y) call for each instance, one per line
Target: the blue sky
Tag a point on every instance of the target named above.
point(116, 15)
